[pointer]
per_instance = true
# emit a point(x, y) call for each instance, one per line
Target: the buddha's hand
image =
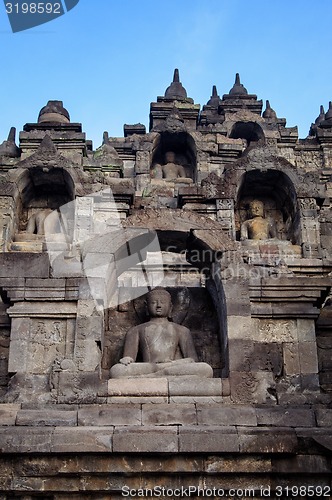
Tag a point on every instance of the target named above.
point(126, 360)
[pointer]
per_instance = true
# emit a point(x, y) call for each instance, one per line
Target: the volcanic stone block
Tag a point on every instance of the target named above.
point(133, 400)
point(239, 327)
point(27, 265)
point(228, 416)
point(278, 440)
point(145, 439)
point(301, 464)
point(43, 418)
point(44, 289)
point(8, 413)
point(277, 330)
point(208, 400)
point(291, 358)
point(79, 387)
point(308, 357)
point(306, 330)
point(107, 416)
point(246, 355)
point(88, 335)
point(286, 417)
point(169, 414)
point(324, 417)
point(252, 387)
point(179, 386)
point(138, 387)
point(142, 165)
point(212, 439)
point(26, 439)
point(82, 439)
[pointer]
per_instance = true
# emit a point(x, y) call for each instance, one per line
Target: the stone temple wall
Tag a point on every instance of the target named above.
point(230, 212)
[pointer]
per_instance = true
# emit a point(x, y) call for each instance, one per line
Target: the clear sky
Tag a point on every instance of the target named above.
point(108, 59)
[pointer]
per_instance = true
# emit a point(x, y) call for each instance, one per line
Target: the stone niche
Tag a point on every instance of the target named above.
point(182, 148)
point(276, 191)
point(250, 131)
point(192, 307)
point(37, 213)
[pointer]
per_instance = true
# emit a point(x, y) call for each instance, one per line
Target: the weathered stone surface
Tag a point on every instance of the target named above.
point(197, 399)
point(302, 464)
point(146, 439)
point(282, 440)
point(33, 418)
point(210, 439)
point(195, 387)
point(138, 387)
point(26, 439)
point(107, 416)
point(226, 415)
point(308, 357)
point(8, 413)
point(132, 400)
point(169, 414)
point(286, 417)
point(82, 439)
point(324, 417)
point(27, 265)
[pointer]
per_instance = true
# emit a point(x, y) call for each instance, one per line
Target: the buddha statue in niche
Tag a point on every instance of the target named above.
point(258, 227)
point(170, 170)
point(43, 222)
point(166, 348)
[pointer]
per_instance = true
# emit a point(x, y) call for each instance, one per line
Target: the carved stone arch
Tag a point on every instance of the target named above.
point(250, 131)
point(263, 175)
point(202, 242)
point(40, 188)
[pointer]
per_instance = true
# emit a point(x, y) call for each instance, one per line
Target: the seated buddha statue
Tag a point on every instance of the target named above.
point(258, 227)
point(166, 348)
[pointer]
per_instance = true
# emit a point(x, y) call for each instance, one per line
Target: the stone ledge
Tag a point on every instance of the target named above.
point(259, 440)
point(208, 439)
point(223, 415)
point(146, 439)
point(179, 386)
point(138, 387)
point(55, 418)
point(82, 439)
point(286, 417)
point(169, 414)
point(106, 416)
point(26, 439)
point(324, 417)
point(8, 413)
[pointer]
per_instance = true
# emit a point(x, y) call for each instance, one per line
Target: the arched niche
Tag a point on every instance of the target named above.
point(182, 145)
point(251, 132)
point(41, 189)
point(186, 265)
point(275, 189)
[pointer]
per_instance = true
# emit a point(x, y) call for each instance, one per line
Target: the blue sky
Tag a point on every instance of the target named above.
point(107, 60)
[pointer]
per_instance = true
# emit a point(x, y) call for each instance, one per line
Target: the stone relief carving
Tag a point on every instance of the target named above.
point(165, 348)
